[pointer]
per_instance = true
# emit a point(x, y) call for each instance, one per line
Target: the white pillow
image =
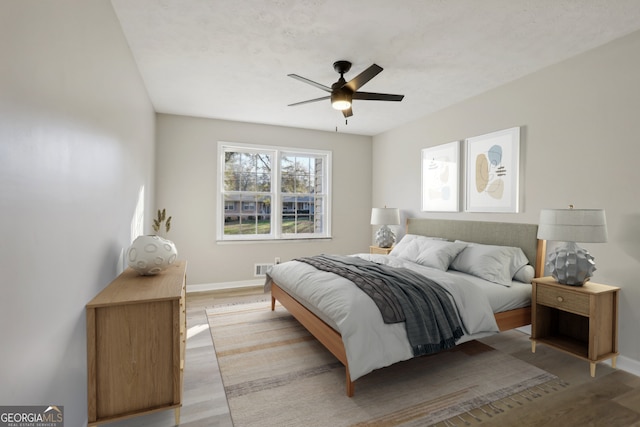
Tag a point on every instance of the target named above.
point(409, 246)
point(427, 251)
point(525, 274)
point(497, 264)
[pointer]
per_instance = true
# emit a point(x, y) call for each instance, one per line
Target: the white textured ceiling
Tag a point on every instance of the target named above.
point(229, 59)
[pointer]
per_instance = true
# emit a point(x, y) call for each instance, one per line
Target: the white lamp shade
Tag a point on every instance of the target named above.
point(573, 225)
point(385, 216)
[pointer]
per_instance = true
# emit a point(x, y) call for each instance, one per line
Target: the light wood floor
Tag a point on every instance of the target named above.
point(610, 399)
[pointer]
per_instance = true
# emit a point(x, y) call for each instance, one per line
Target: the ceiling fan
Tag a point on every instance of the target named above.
point(343, 92)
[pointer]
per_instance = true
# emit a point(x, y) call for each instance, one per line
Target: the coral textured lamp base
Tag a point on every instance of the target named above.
point(385, 237)
point(571, 265)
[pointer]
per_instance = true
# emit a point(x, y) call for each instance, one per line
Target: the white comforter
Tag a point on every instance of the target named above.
point(369, 342)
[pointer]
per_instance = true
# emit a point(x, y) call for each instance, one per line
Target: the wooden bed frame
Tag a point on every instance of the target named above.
point(506, 234)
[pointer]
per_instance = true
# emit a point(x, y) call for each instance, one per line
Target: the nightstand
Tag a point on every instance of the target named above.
point(579, 320)
point(379, 250)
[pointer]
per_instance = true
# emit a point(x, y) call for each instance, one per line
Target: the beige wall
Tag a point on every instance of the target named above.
point(580, 143)
point(186, 181)
point(76, 144)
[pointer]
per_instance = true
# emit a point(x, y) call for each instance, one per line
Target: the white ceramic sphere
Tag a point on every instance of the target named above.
point(149, 255)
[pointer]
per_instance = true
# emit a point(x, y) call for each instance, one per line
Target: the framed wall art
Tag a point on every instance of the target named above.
point(440, 178)
point(492, 165)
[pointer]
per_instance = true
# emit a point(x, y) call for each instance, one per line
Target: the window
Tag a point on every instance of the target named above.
point(268, 193)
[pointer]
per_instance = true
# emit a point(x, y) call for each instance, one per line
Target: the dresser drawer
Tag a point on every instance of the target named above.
point(563, 300)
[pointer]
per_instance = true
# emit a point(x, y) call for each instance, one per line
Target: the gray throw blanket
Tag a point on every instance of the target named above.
point(401, 295)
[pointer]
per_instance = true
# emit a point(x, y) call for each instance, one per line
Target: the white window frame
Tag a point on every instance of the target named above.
point(276, 195)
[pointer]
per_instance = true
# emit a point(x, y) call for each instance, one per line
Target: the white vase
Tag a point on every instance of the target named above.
point(149, 255)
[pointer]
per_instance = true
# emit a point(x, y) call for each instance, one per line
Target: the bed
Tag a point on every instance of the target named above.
point(354, 331)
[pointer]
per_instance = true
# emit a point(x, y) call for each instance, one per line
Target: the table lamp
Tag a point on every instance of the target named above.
point(570, 264)
point(385, 217)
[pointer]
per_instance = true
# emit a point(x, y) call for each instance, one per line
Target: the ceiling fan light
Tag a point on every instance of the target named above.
point(341, 105)
point(340, 101)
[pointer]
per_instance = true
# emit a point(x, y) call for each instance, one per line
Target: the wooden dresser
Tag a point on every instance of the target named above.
point(136, 337)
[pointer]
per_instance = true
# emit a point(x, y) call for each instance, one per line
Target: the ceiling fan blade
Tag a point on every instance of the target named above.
point(310, 101)
point(311, 82)
point(358, 81)
point(377, 96)
point(347, 113)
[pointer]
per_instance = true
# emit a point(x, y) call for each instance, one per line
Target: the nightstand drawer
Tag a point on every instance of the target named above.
point(563, 300)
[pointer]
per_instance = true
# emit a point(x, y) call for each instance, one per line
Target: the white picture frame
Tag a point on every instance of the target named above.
point(492, 171)
point(441, 178)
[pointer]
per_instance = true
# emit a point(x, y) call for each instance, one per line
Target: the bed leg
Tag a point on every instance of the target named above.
point(351, 387)
point(273, 303)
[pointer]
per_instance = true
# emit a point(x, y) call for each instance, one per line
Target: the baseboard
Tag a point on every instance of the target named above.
point(206, 287)
point(626, 364)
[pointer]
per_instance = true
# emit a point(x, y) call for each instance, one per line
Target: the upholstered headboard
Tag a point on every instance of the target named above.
point(524, 236)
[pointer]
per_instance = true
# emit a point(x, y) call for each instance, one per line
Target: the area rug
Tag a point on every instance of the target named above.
point(276, 374)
